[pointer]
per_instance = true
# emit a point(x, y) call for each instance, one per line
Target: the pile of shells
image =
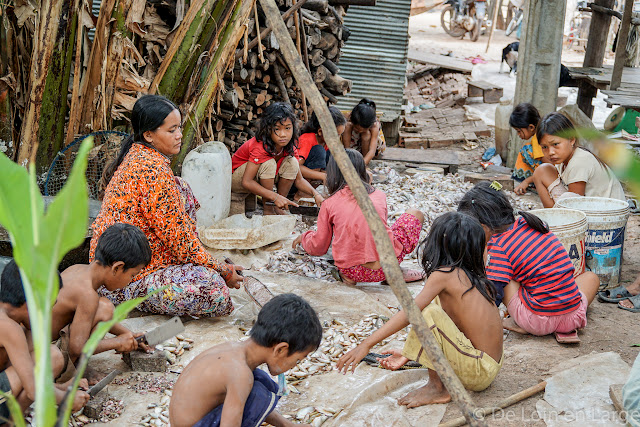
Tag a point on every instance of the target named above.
point(314, 415)
point(301, 265)
point(148, 383)
point(159, 413)
point(337, 339)
point(111, 409)
point(174, 349)
point(433, 194)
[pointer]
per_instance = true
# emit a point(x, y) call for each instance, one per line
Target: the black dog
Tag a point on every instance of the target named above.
point(510, 56)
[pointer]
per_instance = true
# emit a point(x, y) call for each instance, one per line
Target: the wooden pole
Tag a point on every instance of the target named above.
point(621, 51)
point(493, 23)
point(388, 258)
point(253, 43)
point(296, 21)
point(511, 400)
point(594, 54)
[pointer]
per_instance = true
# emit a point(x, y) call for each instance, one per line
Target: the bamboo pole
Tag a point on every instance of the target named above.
point(45, 36)
point(511, 400)
point(260, 50)
point(388, 259)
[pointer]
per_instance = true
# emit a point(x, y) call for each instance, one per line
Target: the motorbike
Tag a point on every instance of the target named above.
point(516, 19)
point(463, 16)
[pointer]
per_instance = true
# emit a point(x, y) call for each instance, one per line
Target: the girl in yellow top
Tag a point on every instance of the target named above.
point(524, 119)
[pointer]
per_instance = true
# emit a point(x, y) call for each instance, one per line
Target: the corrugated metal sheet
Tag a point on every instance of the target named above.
point(375, 56)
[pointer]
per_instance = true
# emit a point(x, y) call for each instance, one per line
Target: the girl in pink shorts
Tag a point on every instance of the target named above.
point(530, 268)
point(341, 225)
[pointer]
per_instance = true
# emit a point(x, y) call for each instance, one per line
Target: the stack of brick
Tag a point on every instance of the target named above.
point(437, 86)
point(440, 127)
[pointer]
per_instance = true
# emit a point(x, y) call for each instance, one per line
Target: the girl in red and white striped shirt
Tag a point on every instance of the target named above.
point(532, 268)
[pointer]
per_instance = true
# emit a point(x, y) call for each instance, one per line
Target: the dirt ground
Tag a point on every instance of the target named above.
point(527, 360)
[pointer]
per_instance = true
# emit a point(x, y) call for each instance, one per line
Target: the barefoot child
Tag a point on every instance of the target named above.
point(457, 302)
point(16, 358)
point(577, 171)
point(270, 158)
point(224, 387)
point(342, 226)
point(524, 119)
point(313, 150)
point(122, 251)
point(364, 131)
point(530, 264)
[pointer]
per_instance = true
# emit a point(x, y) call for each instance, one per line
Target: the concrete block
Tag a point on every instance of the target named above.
point(94, 406)
point(146, 362)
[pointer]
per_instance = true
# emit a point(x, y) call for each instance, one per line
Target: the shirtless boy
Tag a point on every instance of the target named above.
point(122, 251)
point(457, 302)
point(223, 386)
point(16, 358)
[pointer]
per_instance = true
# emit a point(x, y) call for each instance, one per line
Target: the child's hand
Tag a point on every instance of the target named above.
point(141, 344)
point(318, 199)
point(353, 358)
point(296, 242)
point(521, 189)
point(125, 343)
point(393, 362)
point(282, 202)
point(80, 400)
point(83, 384)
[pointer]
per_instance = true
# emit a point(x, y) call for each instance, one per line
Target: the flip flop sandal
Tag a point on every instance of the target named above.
point(635, 300)
point(567, 338)
point(371, 359)
point(409, 275)
point(621, 293)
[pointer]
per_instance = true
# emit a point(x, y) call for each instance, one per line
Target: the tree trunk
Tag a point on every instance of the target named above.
point(7, 144)
point(167, 81)
point(226, 44)
point(44, 41)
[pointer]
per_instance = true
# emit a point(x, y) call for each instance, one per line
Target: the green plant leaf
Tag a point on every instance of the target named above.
point(635, 345)
point(14, 409)
point(39, 243)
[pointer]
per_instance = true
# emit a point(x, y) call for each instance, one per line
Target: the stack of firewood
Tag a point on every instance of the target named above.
point(259, 75)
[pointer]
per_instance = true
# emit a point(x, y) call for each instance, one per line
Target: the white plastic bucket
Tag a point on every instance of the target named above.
point(606, 224)
point(207, 169)
point(570, 227)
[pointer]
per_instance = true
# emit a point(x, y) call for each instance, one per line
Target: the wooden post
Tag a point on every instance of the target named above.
point(621, 51)
point(594, 55)
point(494, 17)
point(388, 259)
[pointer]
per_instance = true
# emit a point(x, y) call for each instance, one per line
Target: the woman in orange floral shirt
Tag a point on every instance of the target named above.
point(142, 191)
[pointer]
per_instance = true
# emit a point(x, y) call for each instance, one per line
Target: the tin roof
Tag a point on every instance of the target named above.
point(375, 55)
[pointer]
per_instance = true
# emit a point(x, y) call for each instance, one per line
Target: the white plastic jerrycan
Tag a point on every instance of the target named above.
point(207, 169)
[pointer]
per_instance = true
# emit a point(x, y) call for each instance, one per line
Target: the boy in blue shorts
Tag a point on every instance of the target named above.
point(223, 385)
